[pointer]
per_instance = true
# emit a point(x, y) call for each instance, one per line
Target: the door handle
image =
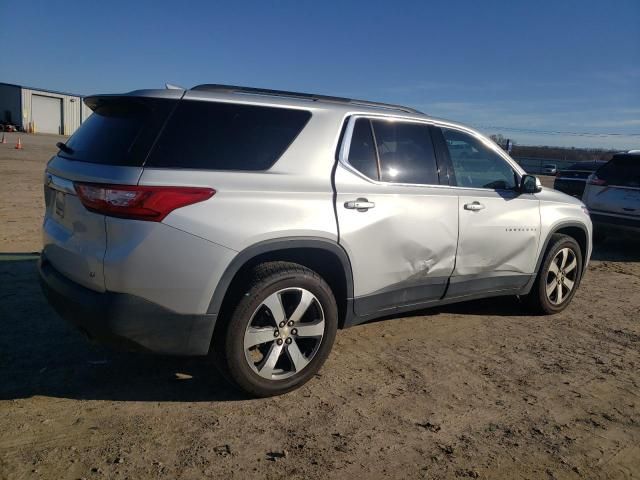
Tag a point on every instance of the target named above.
point(361, 204)
point(473, 206)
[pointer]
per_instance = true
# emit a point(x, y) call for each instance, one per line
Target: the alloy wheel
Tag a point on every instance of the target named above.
point(561, 276)
point(284, 333)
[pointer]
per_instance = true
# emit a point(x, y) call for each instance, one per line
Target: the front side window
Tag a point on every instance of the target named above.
point(476, 165)
point(406, 152)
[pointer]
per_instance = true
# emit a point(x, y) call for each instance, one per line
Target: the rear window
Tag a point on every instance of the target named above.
point(226, 136)
point(622, 171)
point(119, 132)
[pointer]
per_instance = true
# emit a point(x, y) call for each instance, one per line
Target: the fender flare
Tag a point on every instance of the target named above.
point(543, 251)
point(267, 246)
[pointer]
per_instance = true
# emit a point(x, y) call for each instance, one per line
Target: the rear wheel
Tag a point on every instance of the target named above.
point(559, 276)
point(280, 332)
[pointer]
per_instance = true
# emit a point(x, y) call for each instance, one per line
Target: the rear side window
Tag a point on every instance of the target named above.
point(406, 152)
point(226, 136)
point(362, 152)
point(623, 171)
point(119, 132)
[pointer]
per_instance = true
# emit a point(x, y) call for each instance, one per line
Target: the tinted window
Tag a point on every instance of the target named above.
point(621, 170)
point(119, 132)
point(476, 165)
point(226, 136)
point(362, 153)
point(406, 152)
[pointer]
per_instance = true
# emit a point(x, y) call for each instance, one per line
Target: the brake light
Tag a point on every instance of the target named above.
point(137, 201)
point(594, 180)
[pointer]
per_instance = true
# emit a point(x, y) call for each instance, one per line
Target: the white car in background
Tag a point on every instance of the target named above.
point(612, 195)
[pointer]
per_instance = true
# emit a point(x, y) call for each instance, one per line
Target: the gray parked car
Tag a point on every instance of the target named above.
point(251, 224)
point(612, 195)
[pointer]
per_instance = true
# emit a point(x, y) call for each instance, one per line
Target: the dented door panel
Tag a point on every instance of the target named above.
point(403, 249)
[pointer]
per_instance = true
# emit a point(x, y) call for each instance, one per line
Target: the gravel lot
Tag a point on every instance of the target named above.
point(477, 390)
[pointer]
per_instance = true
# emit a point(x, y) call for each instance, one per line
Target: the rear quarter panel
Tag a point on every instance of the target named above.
point(293, 198)
point(162, 264)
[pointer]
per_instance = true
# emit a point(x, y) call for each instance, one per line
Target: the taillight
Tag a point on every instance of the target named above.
point(137, 201)
point(594, 180)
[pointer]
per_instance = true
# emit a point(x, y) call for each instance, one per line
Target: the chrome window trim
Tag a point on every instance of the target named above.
point(346, 146)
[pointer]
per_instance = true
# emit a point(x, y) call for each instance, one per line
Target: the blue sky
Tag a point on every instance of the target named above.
point(569, 66)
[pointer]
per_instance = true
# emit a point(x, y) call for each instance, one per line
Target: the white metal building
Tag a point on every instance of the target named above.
point(41, 111)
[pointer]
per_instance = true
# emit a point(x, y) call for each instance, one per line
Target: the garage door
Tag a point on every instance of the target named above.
point(46, 113)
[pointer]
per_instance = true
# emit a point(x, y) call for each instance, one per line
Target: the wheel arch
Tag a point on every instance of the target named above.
point(324, 256)
point(575, 230)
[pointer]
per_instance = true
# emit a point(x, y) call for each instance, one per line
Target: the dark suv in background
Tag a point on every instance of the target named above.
point(573, 179)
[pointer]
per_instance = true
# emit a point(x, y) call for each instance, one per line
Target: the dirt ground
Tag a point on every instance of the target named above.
point(478, 390)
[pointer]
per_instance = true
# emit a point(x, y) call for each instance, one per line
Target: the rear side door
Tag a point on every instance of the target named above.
point(396, 222)
point(499, 228)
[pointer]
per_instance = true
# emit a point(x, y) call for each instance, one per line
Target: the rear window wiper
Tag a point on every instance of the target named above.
point(63, 146)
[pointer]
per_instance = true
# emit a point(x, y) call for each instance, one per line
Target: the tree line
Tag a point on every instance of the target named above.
point(572, 154)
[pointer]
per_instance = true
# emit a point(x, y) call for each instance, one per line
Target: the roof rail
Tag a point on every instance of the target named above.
point(211, 87)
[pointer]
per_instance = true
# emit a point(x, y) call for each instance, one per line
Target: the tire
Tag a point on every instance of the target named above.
point(285, 357)
point(545, 297)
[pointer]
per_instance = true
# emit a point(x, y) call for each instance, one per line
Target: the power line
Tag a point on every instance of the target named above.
point(552, 132)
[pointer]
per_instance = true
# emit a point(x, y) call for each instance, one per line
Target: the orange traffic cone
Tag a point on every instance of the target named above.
point(19, 144)
point(4, 140)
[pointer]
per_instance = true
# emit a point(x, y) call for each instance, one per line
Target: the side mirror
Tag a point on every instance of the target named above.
point(530, 184)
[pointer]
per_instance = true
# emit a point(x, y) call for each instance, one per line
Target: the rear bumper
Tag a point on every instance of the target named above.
point(615, 221)
point(125, 321)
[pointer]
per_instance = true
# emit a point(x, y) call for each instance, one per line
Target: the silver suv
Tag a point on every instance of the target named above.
point(251, 224)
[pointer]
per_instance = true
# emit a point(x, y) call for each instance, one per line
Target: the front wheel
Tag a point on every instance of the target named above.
point(558, 278)
point(280, 332)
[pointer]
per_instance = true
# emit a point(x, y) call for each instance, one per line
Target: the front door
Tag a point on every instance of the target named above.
point(398, 225)
point(499, 227)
